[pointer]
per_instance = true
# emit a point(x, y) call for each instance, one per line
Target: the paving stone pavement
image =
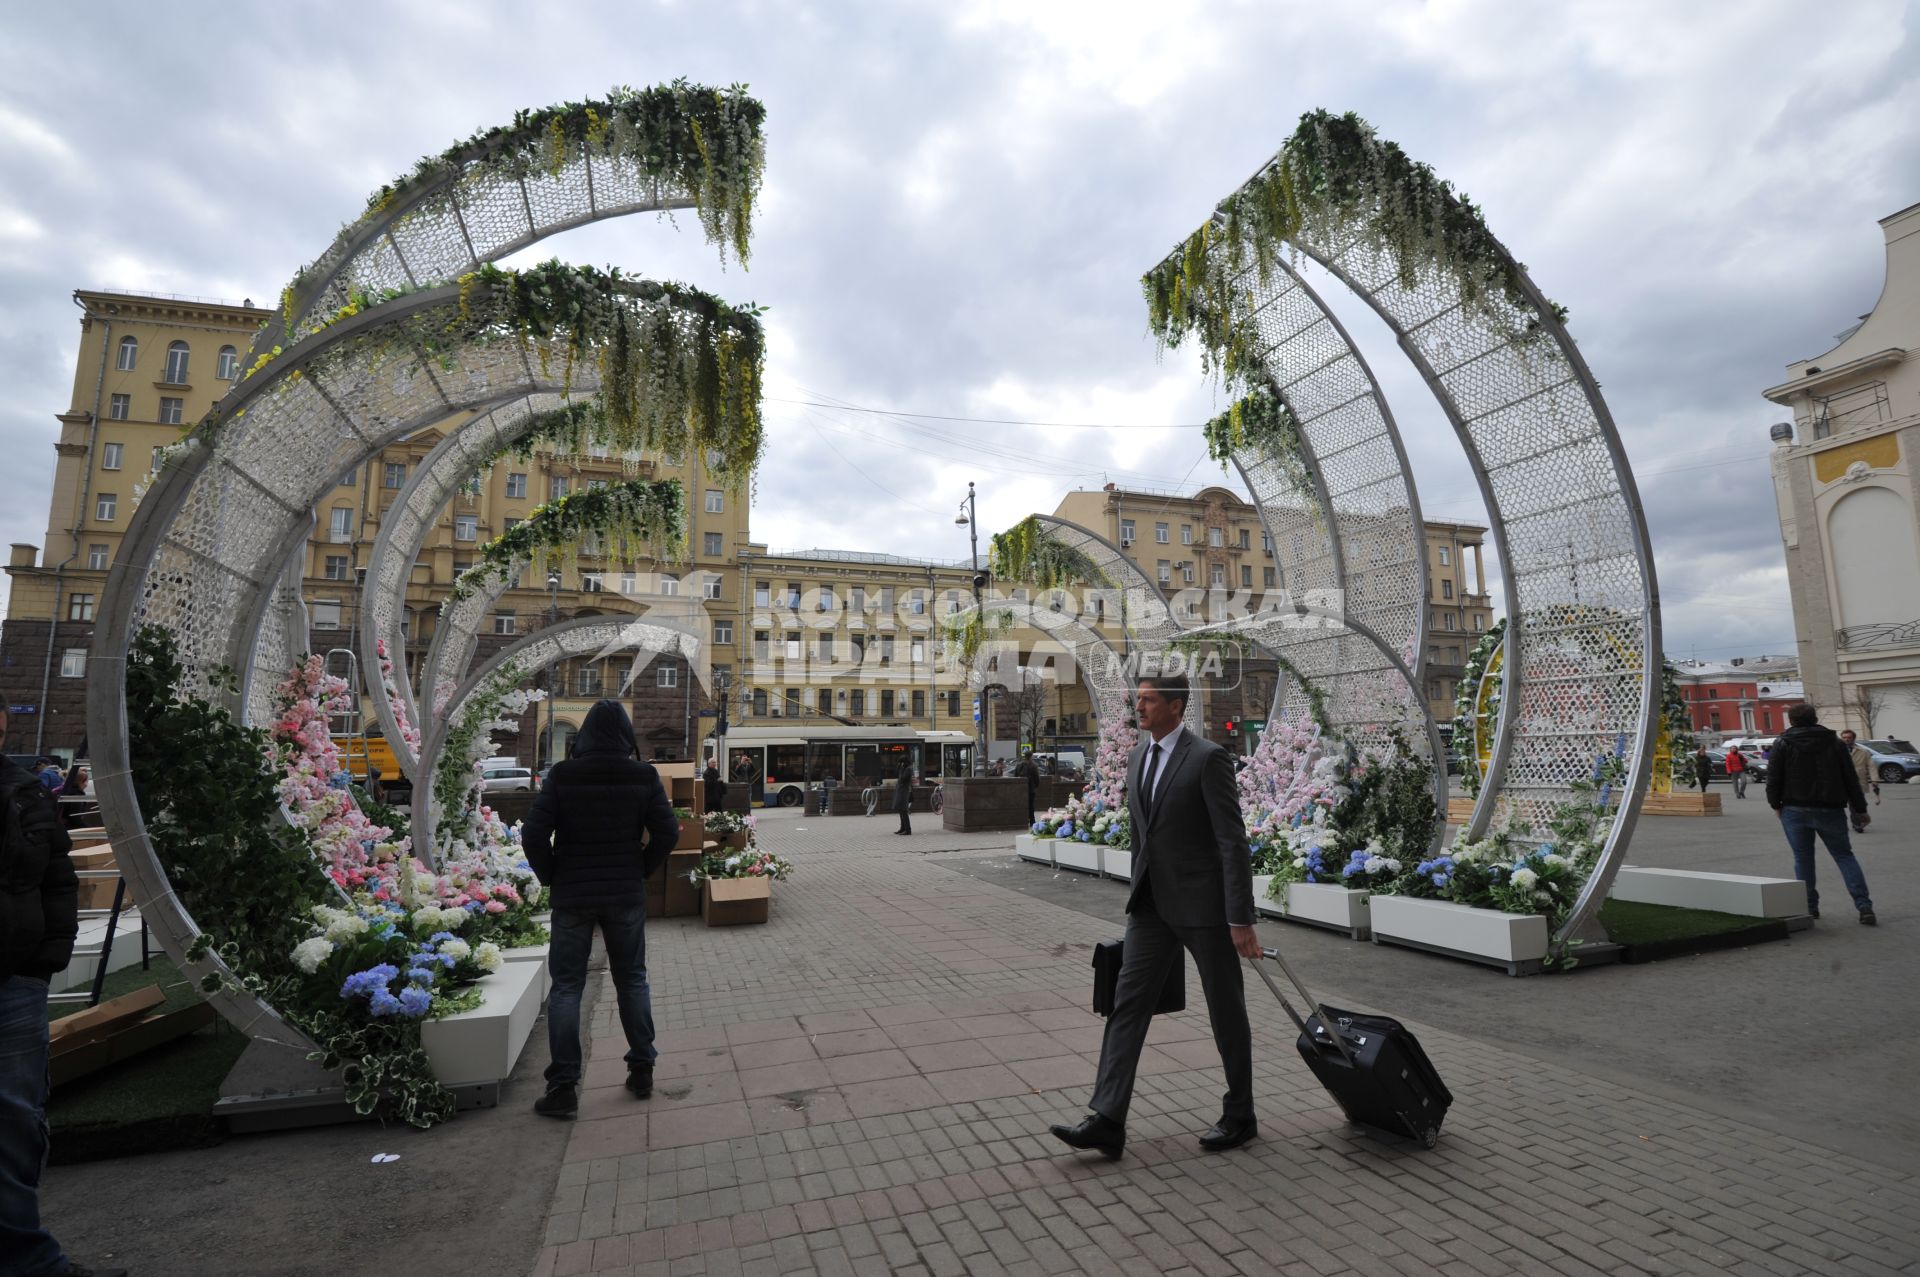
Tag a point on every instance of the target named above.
point(864, 1084)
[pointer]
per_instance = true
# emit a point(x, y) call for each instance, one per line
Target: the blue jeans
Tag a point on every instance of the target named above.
point(624, 928)
point(1801, 824)
point(25, 1247)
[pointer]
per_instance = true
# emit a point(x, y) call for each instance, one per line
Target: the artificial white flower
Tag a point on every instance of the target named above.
point(1525, 879)
point(458, 948)
point(309, 954)
point(487, 955)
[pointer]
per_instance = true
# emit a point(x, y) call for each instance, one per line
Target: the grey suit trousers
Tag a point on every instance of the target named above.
point(1150, 947)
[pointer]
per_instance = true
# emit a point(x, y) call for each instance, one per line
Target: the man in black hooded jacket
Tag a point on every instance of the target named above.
point(601, 824)
point(1811, 782)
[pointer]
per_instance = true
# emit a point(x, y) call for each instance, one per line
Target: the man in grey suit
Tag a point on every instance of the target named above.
point(1192, 888)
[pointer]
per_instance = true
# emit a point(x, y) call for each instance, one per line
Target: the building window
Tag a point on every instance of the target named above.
point(712, 585)
point(596, 485)
point(105, 506)
point(917, 650)
point(592, 583)
point(1186, 534)
point(716, 501)
point(762, 594)
point(1243, 539)
point(120, 407)
point(96, 557)
point(759, 703)
point(953, 602)
point(1166, 572)
point(1266, 542)
point(953, 704)
point(857, 647)
point(1126, 531)
point(1218, 575)
point(669, 583)
point(1451, 622)
point(1479, 622)
point(886, 649)
point(823, 601)
point(793, 646)
point(110, 455)
point(394, 475)
point(80, 607)
point(516, 485)
point(557, 487)
point(336, 567)
point(761, 642)
point(723, 631)
point(1268, 578)
point(710, 544)
point(589, 683)
point(1446, 589)
point(919, 704)
point(1246, 575)
point(1214, 538)
point(466, 527)
point(666, 676)
point(824, 647)
point(325, 614)
point(793, 596)
point(1160, 533)
point(129, 354)
point(176, 364)
point(73, 663)
point(505, 623)
point(340, 525)
point(172, 410)
point(227, 367)
point(857, 705)
point(917, 603)
point(1186, 573)
point(1446, 556)
point(351, 479)
point(823, 701)
point(886, 703)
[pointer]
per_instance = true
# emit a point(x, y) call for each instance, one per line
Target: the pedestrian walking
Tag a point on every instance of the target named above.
point(1031, 774)
point(1737, 772)
point(601, 825)
point(1192, 889)
point(1812, 783)
point(1702, 768)
point(39, 917)
point(1863, 767)
point(903, 798)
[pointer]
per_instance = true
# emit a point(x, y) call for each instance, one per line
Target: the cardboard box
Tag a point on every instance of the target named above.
point(693, 835)
point(70, 1031)
point(97, 893)
point(94, 858)
point(688, 792)
point(670, 894)
point(731, 902)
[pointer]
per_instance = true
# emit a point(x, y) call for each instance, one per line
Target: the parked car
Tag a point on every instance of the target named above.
point(1894, 760)
point(505, 778)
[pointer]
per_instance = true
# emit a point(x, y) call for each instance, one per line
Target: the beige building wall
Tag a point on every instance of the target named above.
point(1845, 489)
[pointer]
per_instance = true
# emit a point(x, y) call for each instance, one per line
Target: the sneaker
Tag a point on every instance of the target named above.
point(559, 1101)
point(1867, 919)
point(640, 1082)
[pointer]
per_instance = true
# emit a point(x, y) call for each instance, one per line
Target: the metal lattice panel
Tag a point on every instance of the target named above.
point(585, 636)
point(404, 530)
point(456, 638)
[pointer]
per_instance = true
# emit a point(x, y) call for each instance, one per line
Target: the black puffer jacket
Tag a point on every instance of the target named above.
point(603, 821)
point(1810, 767)
point(39, 895)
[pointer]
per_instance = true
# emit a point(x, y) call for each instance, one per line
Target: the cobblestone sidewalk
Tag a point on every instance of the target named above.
point(864, 1086)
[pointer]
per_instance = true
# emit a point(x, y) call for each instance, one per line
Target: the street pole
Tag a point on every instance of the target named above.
point(972, 520)
point(553, 677)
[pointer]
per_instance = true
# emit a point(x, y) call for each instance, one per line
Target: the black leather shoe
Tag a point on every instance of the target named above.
point(1226, 1135)
point(559, 1101)
point(640, 1082)
point(1095, 1132)
point(1867, 919)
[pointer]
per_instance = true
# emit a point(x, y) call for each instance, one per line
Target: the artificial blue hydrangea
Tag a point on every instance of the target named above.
point(363, 983)
point(414, 1001)
point(383, 1003)
point(421, 976)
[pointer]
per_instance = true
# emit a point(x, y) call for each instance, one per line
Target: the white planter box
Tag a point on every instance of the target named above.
point(1341, 908)
point(1262, 906)
point(1515, 941)
point(534, 953)
point(1029, 847)
point(1119, 864)
point(481, 1045)
point(1722, 893)
point(1069, 853)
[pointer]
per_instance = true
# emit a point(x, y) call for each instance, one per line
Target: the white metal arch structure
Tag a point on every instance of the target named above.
point(463, 453)
point(456, 635)
point(583, 636)
point(1565, 516)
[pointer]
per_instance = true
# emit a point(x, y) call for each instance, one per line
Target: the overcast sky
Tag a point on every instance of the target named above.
point(961, 198)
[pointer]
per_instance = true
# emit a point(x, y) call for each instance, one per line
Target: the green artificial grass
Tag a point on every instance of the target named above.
point(160, 1099)
point(1628, 922)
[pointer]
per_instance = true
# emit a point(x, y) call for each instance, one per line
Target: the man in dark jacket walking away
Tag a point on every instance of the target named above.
point(39, 917)
point(903, 797)
point(601, 824)
point(1029, 772)
point(1812, 784)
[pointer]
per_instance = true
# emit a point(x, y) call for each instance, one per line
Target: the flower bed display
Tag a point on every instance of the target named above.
point(1517, 942)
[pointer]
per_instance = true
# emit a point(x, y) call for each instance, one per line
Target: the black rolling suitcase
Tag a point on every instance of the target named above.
point(1372, 1065)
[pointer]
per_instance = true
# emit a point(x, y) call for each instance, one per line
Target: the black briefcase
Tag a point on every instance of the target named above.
point(1371, 1064)
point(1107, 956)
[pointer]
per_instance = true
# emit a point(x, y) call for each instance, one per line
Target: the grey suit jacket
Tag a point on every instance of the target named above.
point(1194, 848)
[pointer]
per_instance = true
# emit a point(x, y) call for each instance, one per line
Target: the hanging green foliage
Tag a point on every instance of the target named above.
point(1032, 553)
point(966, 630)
point(1468, 728)
point(1333, 180)
point(1261, 424)
point(1676, 724)
point(639, 510)
point(705, 141)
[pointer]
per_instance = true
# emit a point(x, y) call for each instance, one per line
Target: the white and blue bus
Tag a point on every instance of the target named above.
point(783, 763)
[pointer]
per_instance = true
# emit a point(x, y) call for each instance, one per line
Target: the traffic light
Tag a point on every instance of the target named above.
point(1233, 727)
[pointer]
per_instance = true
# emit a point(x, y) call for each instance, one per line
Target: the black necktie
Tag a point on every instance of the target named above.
point(1146, 781)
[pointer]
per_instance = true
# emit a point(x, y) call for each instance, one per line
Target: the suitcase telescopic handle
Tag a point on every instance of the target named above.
point(1326, 1022)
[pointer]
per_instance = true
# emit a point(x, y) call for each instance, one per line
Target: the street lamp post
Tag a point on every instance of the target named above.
point(553, 677)
point(970, 516)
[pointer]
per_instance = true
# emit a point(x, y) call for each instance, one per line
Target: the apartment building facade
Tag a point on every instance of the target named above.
point(1845, 485)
